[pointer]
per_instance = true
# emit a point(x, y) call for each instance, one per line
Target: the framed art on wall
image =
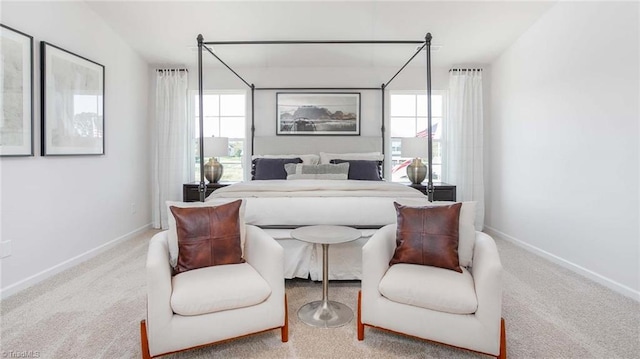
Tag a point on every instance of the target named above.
point(72, 103)
point(318, 113)
point(16, 124)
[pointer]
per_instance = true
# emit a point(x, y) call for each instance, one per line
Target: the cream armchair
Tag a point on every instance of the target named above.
point(215, 303)
point(458, 309)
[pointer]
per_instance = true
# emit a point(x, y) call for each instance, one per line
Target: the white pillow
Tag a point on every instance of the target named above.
point(172, 235)
point(466, 231)
point(324, 171)
point(367, 156)
point(306, 159)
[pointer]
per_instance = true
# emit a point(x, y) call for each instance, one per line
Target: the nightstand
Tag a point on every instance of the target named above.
point(441, 191)
point(190, 190)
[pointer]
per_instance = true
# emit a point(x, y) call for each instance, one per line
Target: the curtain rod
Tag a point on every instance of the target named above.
point(454, 70)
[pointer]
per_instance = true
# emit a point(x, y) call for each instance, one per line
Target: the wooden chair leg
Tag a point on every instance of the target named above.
point(144, 341)
point(284, 331)
point(503, 340)
point(359, 324)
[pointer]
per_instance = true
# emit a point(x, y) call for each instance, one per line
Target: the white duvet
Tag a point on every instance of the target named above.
point(314, 202)
point(315, 188)
point(293, 203)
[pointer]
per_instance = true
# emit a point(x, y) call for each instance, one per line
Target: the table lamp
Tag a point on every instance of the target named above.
point(214, 147)
point(416, 148)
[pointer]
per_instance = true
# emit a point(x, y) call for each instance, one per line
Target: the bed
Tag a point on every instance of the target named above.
point(278, 206)
point(282, 142)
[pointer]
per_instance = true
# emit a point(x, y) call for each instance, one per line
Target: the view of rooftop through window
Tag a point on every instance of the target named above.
point(409, 119)
point(224, 116)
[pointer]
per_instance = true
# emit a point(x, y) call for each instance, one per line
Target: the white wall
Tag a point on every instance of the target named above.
point(55, 209)
point(564, 156)
point(411, 78)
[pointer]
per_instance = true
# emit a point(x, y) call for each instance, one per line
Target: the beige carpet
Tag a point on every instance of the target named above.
point(93, 311)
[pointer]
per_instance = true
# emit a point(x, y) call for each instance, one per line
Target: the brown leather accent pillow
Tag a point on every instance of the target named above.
point(428, 236)
point(208, 236)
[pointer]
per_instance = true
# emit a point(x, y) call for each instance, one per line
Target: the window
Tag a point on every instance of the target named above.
point(409, 119)
point(224, 116)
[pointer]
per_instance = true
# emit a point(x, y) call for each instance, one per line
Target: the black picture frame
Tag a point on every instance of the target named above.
point(318, 113)
point(16, 127)
point(73, 101)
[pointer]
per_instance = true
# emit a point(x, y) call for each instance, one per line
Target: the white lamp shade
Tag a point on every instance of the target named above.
point(216, 146)
point(414, 147)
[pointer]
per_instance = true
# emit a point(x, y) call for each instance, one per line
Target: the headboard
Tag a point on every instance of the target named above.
point(275, 145)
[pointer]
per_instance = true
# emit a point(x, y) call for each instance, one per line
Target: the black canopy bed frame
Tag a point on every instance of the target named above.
point(425, 44)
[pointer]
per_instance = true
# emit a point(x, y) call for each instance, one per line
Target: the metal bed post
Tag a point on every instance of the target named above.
point(201, 187)
point(315, 88)
point(201, 45)
point(382, 129)
point(426, 43)
point(427, 40)
point(253, 119)
point(312, 42)
point(384, 86)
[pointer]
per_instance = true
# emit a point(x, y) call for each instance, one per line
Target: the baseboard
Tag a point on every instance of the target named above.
point(611, 284)
point(47, 273)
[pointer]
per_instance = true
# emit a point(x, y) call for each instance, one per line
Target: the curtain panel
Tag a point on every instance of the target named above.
point(463, 155)
point(170, 160)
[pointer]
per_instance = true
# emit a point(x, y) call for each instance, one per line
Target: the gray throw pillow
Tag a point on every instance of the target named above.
point(323, 171)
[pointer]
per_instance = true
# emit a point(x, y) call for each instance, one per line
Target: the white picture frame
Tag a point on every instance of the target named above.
point(72, 103)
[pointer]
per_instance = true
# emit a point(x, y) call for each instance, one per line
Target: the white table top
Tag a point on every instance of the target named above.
point(326, 234)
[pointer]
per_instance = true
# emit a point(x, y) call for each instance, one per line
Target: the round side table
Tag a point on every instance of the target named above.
point(325, 313)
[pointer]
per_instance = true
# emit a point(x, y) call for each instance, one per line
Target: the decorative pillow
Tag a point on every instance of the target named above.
point(208, 236)
point(172, 235)
point(306, 159)
point(325, 171)
point(428, 236)
point(366, 156)
point(363, 170)
point(466, 231)
point(270, 168)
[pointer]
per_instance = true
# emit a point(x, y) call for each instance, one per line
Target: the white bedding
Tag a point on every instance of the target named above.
point(316, 188)
point(280, 205)
point(312, 202)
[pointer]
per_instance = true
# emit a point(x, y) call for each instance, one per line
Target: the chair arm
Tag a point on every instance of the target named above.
point(487, 276)
point(266, 256)
point(376, 254)
point(158, 281)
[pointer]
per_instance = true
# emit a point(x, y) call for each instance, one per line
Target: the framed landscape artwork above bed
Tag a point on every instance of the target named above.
point(318, 113)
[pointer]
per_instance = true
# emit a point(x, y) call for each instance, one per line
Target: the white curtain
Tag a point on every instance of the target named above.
point(170, 163)
point(463, 147)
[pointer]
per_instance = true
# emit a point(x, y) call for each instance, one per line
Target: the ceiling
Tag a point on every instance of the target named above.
point(164, 32)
